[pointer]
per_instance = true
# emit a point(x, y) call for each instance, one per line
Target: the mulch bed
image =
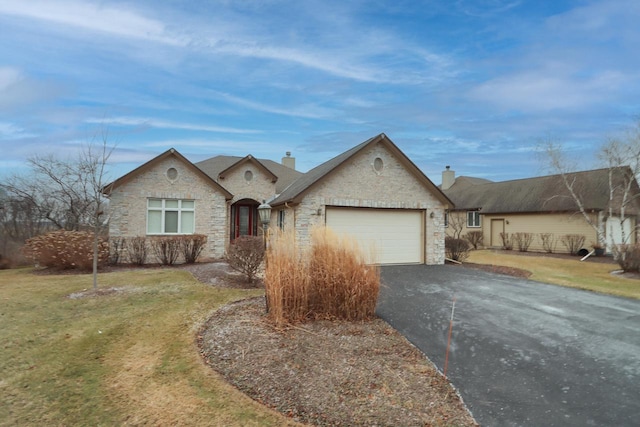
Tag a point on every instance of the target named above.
point(329, 373)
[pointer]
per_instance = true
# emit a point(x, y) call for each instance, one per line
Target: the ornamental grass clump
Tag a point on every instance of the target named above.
point(342, 285)
point(329, 280)
point(286, 281)
point(66, 250)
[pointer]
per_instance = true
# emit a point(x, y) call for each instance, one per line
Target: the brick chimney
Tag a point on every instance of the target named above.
point(448, 178)
point(289, 161)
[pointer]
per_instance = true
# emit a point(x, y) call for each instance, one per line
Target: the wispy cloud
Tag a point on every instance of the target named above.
point(164, 124)
point(95, 17)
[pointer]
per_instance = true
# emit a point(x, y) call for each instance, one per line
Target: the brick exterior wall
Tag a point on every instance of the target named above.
point(358, 184)
point(128, 204)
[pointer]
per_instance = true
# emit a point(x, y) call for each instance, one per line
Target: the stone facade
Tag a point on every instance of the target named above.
point(248, 181)
point(359, 183)
point(128, 203)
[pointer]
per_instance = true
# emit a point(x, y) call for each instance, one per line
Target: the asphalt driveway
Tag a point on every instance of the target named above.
point(522, 352)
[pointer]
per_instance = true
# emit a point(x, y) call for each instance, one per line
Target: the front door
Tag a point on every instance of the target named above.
point(244, 220)
point(497, 227)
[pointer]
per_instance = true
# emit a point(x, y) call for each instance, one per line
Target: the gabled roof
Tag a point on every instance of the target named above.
point(248, 159)
point(539, 194)
point(172, 152)
point(218, 165)
point(295, 192)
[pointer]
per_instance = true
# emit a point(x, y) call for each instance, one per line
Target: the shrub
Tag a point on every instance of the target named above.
point(245, 255)
point(329, 280)
point(548, 241)
point(573, 242)
point(475, 238)
point(342, 285)
point(166, 249)
point(5, 263)
point(456, 249)
point(137, 249)
point(66, 250)
point(116, 247)
point(507, 241)
point(192, 246)
point(627, 257)
point(523, 240)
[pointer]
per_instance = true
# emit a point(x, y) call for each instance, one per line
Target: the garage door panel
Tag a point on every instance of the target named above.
point(395, 234)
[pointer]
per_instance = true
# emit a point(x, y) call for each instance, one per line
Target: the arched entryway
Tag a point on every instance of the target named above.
point(244, 218)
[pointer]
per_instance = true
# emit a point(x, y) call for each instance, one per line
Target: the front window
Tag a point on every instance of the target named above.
point(446, 218)
point(281, 214)
point(473, 219)
point(170, 216)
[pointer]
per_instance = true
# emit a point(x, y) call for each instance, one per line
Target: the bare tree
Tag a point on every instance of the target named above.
point(457, 221)
point(60, 193)
point(621, 156)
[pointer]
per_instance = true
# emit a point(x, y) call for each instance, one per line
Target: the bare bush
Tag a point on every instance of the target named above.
point(523, 241)
point(627, 257)
point(573, 242)
point(456, 249)
point(116, 247)
point(65, 249)
point(548, 241)
point(475, 238)
point(137, 250)
point(245, 255)
point(166, 249)
point(192, 246)
point(507, 241)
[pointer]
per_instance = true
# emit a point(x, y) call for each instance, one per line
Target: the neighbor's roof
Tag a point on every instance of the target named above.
point(297, 189)
point(172, 152)
point(220, 164)
point(539, 194)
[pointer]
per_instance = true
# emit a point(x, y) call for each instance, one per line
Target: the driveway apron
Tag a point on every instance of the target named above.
point(522, 353)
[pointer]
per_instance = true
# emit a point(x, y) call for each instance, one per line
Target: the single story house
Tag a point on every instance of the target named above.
point(372, 191)
point(544, 206)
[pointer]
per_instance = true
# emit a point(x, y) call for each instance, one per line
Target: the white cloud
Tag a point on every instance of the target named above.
point(11, 131)
point(305, 111)
point(99, 17)
point(164, 124)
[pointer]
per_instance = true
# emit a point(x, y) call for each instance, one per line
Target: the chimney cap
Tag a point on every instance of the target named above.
point(288, 153)
point(448, 167)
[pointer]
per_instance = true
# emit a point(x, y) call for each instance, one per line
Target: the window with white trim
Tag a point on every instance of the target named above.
point(446, 218)
point(473, 219)
point(170, 216)
point(281, 216)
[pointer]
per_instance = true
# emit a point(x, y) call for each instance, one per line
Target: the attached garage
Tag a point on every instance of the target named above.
point(397, 234)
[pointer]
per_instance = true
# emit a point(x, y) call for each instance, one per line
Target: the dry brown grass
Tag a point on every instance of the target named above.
point(331, 280)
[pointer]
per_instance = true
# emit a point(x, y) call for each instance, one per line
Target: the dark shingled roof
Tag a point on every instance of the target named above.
point(540, 194)
point(217, 164)
point(305, 182)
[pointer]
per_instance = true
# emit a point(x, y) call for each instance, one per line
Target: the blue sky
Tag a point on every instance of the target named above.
point(471, 84)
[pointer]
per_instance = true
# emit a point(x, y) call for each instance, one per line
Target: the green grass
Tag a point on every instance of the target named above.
point(589, 275)
point(128, 357)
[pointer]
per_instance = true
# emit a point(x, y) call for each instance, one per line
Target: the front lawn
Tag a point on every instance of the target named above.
point(566, 271)
point(124, 357)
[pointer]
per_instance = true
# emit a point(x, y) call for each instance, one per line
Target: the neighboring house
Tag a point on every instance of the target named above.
point(372, 191)
point(543, 205)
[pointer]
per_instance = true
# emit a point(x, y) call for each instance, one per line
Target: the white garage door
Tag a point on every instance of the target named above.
point(396, 234)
